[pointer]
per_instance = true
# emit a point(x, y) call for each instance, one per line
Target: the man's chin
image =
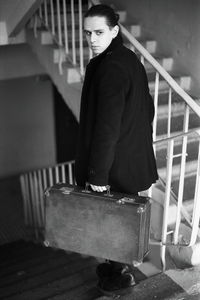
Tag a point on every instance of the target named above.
point(95, 53)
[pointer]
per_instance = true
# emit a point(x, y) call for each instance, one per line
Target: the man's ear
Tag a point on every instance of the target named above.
point(115, 31)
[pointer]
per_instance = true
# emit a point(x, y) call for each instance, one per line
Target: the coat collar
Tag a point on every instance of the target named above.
point(116, 42)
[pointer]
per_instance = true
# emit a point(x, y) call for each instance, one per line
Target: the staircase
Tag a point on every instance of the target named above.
point(30, 271)
point(177, 118)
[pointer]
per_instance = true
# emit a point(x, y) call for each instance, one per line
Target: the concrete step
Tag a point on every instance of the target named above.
point(177, 109)
point(183, 81)
point(134, 29)
point(165, 62)
point(149, 44)
point(190, 169)
point(163, 98)
point(169, 285)
point(45, 56)
point(176, 124)
point(189, 189)
point(192, 153)
point(61, 51)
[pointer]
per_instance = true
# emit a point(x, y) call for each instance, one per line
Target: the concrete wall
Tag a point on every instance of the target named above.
point(18, 61)
point(175, 24)
point(27, 137)
point(16, 13)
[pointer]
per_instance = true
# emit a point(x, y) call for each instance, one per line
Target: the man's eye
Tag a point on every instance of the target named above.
point(87, 33)
point(99, 32)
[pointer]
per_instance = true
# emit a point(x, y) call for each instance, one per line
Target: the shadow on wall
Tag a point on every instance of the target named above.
point(66, 130)
point(12, 225)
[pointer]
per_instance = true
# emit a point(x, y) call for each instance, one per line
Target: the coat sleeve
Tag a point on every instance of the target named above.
point(111, 93)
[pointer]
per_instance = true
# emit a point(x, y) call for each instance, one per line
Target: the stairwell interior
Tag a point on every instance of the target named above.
point(177, 121)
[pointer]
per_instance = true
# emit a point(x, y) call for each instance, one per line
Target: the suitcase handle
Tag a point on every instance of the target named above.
point(87, 185)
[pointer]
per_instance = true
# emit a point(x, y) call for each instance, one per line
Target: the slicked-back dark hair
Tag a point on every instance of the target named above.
point(103, 10)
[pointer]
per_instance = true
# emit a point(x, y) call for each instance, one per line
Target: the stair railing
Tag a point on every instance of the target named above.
point(61, 18)
point(34, 184)
point(171, 233)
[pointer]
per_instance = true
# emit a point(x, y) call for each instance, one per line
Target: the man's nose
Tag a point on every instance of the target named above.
point(93, 37)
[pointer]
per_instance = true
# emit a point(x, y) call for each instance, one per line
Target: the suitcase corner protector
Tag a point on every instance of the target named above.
point(141, 209)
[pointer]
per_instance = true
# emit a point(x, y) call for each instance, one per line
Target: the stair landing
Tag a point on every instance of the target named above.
point(31, 271)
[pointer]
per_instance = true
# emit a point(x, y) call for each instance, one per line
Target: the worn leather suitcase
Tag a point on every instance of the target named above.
point(107, 225)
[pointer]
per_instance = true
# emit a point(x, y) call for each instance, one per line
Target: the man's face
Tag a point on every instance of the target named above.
point(98, 34)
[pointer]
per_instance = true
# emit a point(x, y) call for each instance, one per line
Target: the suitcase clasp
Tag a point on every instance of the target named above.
point(66, 190)
point(126, 200)
point(141, 209)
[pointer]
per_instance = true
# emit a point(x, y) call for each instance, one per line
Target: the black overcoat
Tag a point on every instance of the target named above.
point(115, 136)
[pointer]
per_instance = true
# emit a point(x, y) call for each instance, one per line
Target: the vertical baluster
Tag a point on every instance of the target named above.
point(70, 176)
point(29, 205)
point(81, 37)
point(169, 112)
point(59, 23)
point(63, 173)
point(156, 105)
point(52, 17)
point(44, 175)
point(40, 12)
point(65, 27)
point(89, 50)
point(37, 200)
point(182, 175)
point(60, 41)
point(196, 207)
point(167, 199)
point(32, 198)
point(50, 177)
point(45, 13)
point(57, 174)
point(35, 25)
point(73, 33)
point(25, 199)
point(41, 198)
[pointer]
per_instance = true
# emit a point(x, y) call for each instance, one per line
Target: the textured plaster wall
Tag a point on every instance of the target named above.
point(176, 26)
point(26, 125)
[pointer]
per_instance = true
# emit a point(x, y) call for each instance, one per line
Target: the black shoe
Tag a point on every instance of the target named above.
point(104, 270)
point(116, 282)
point(109, 269)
